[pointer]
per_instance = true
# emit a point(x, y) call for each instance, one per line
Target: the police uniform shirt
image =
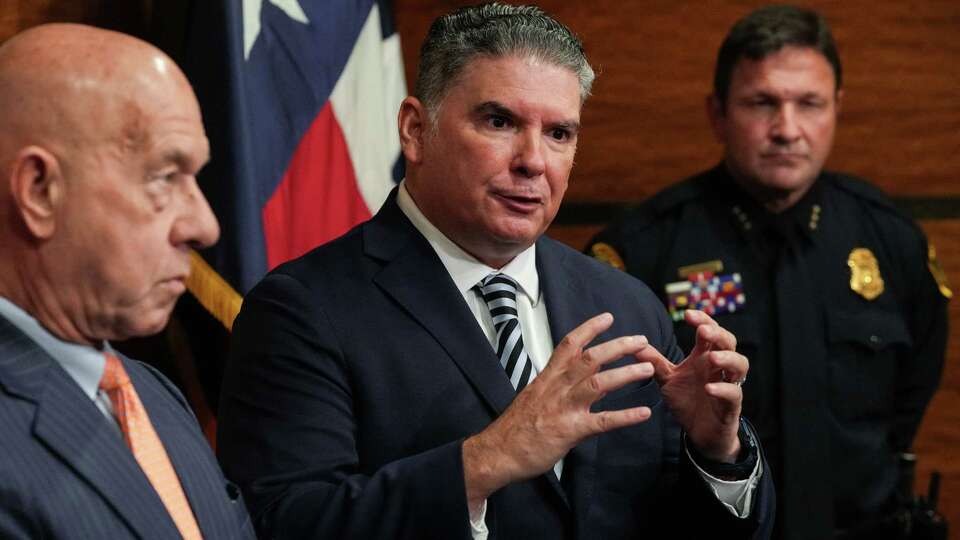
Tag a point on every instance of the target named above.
point(841, 319)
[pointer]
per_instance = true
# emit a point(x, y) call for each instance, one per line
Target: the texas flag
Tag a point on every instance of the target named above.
point(300, 100)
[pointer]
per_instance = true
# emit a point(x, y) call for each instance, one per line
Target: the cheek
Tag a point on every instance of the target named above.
point(145, 252)
point(824, 134)
point(558, 177)
point(754, 134)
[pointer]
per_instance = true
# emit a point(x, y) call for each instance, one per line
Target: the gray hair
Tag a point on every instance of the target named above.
point(494, 30)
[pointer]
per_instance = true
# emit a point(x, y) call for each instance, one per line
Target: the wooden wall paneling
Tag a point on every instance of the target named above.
point(129, 16)
point(645, 126)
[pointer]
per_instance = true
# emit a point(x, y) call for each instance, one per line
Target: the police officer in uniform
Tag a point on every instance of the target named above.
point(833, 294)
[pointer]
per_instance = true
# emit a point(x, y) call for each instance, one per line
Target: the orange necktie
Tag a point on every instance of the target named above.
point(146, 446)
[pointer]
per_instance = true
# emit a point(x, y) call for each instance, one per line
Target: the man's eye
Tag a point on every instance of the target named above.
point(167, 176)
point(760, 103)
point(498, 122)
point(560, 134)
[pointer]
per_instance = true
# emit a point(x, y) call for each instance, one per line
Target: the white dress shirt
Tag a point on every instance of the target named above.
point(466, 272)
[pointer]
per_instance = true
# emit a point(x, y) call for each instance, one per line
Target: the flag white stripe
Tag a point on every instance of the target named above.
point(365, 101)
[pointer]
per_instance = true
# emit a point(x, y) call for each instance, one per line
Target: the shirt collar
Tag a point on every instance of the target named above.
point(83, 363)
point(464, 268)
point(800, 220)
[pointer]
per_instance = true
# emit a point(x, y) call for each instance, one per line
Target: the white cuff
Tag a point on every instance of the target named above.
point(478, 524)
point(736, 495)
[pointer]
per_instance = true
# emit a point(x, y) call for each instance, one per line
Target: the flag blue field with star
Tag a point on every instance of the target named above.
point(299, 99)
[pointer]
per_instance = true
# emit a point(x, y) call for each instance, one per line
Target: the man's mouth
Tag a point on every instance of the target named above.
point(786, 157)
point(519, 203)
point(177, 285)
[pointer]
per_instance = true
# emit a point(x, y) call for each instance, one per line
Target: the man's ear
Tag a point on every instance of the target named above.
point(413, 122)
point(717, 117)
point(36, 185)
point(839, 99)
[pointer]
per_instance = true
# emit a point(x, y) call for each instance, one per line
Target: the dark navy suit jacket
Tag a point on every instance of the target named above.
point(358, 370)
point(65, 472)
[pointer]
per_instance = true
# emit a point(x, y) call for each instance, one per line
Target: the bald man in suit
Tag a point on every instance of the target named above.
point(99, 146)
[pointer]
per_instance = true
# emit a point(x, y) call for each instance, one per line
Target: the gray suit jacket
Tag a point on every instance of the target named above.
point(66, 473)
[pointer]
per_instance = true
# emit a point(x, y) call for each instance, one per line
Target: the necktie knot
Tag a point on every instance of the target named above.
point(499, 291)
point(114, 376)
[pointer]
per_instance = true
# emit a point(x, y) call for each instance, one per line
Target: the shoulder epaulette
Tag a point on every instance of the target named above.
point(868, 192)
point(664, 202)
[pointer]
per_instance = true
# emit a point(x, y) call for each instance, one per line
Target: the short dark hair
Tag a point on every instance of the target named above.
point(494, 30)
point(766, 31)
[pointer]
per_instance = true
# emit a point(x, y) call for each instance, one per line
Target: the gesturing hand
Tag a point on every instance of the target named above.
point(552, 414)
point(703, 391)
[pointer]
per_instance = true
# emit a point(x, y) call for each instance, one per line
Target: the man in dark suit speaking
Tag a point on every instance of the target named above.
point(100, 140)
point(444, 371)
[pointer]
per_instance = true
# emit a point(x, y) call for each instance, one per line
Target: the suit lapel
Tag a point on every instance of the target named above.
point(416, 279)
point(569, 304)
point(414, 276)
point(184, 446)
point(78, 434)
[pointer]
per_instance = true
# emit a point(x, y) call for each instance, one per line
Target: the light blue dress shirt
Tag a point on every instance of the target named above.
point(83, 363)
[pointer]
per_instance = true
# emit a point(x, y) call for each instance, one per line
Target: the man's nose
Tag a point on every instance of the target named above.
point(196, 226)
point(785, 127)
point(529, 159)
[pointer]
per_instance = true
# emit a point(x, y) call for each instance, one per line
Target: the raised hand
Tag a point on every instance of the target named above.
point(703, 391)
point(552, 414)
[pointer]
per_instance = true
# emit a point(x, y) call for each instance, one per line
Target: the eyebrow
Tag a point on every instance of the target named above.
point(499, 109)
point(771, 95)
point(493, 107)
point(182, 159)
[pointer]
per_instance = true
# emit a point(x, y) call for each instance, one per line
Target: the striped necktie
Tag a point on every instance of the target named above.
point(146, 446)
point(500, 294)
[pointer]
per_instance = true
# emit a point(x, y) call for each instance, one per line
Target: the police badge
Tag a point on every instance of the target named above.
point(865, 278)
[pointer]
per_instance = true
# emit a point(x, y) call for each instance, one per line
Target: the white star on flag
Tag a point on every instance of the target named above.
point(251, 19)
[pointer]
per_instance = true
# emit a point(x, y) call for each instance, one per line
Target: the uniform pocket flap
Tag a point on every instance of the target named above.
point(874, 329)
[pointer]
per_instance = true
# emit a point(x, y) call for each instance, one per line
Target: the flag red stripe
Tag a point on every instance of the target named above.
point(318, 199)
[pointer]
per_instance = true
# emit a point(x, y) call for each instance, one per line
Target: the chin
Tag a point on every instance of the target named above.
point(519, 232)
point(145, 324)
point(785, 181)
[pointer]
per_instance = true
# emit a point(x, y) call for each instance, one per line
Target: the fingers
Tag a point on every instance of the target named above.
point(727, 390)
point(710, 335)
point(599, 384)
point(663, 368)
point(579, 337)
point(734, 366)
point(729, 399)
point(601, 354)
point(611, 420)
point(575, 364)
